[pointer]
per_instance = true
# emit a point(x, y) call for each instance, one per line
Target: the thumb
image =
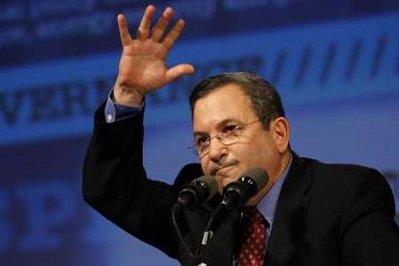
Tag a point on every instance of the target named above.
point(177, 71)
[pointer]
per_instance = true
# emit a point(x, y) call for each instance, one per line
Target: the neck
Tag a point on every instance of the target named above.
point(285, 160)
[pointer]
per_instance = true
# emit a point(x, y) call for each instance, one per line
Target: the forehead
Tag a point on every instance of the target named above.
point(227, 102)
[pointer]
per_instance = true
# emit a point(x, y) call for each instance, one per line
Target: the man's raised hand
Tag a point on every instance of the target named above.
point(142, 67)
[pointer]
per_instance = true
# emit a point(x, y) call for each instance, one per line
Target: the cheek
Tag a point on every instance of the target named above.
point(249, 152)
point(205, 165)
point(257, 153)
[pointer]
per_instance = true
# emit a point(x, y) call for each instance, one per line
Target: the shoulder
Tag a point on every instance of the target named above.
point(348, 184)
point(342, 174)
point(341, 194)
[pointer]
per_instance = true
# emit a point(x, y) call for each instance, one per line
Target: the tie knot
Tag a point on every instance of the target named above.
point(254, 214)
point(251, 210)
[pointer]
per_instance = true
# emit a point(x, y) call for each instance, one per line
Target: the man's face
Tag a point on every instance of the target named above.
point(221, 110)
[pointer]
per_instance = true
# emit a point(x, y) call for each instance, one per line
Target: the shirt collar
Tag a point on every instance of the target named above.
point(267, 206)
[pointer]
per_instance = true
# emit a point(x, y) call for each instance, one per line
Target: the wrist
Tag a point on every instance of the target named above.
point(127, 96)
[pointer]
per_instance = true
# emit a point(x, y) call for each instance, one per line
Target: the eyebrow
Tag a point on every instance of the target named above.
point(222, 123)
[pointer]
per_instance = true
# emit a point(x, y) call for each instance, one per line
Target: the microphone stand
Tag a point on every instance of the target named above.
point(177, 208)
point(208, 232)
point(235, 196)
point(207, 235)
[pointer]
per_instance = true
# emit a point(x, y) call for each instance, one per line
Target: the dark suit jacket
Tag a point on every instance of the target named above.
point(326, 214)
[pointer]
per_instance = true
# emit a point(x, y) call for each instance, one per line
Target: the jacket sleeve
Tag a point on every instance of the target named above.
point(370, 235)
point(115, 183)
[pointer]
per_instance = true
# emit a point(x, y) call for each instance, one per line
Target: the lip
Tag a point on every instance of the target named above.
point(223, 170)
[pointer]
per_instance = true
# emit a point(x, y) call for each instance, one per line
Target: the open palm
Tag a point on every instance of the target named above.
point(143, 62)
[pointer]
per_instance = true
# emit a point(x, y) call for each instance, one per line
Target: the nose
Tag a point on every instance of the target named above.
point(216, 149)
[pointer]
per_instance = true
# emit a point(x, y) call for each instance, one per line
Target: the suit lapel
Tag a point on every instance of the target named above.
point(290, 214)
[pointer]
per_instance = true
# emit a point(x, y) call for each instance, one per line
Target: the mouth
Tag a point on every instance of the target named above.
point(223, 171)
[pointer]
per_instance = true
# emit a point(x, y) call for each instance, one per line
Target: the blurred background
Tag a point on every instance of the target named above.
point(335, 63)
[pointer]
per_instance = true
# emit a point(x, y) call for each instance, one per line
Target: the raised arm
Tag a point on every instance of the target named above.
point(114, 179)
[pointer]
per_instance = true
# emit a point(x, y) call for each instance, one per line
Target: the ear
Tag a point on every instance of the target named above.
point(280, 130)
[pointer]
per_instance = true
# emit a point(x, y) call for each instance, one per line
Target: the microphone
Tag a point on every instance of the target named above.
point(197, 192)
point(237, 193)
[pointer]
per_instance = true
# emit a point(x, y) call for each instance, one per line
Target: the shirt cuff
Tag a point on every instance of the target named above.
point(115, 112)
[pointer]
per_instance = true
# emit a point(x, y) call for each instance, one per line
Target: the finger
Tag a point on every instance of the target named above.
point(178, 71)
point(145, 24)
point(124, 34)
point(161, 25)
point(173, 34)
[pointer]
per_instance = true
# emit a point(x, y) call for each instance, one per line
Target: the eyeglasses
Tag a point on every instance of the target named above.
point(230, 134)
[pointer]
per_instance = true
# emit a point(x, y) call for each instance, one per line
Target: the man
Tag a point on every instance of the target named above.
point(309, 213)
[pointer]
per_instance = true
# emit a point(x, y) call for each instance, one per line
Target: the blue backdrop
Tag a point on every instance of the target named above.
point(335, 63)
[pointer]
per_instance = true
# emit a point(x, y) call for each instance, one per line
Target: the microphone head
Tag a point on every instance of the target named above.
point(258, 175)
point(208, 182)
point(197, 192)
point(236, 194)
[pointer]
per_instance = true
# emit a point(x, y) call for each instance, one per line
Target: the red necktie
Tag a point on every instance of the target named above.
point(252, 249)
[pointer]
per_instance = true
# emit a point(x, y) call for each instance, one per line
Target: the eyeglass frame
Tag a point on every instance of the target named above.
point(241, 128)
